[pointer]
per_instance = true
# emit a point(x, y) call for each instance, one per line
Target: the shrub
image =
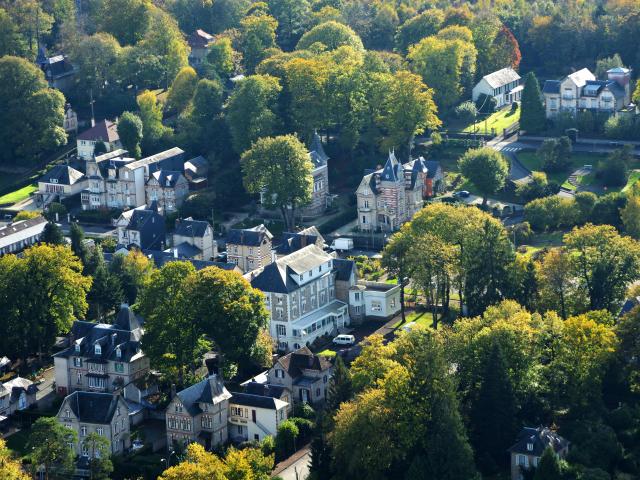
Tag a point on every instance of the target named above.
point(486, 104)
point(304, 410)
point(54, 208)
point(550, 213)
point(103, 216)
point(286, 439)
point(614, 170)
point(556, 154)
point(621, 127)
point(514, 107)
point(305, 428)
point(466, 111)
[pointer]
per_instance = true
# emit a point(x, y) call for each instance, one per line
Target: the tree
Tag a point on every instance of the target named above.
point(11, 41)
point(130, 133)
point(257, 34)
point(99, 449)
point(486, 168)
point(614, 171)
point(340, 389)
point(280, 170)
point(106, 293)
point(49, 446)
point(182, 90)
point(78, 246)
point(151, 116)
point(628, 332)
point(220, 58)
point(198, 464)
point(604, 263)
point(202, 124)
point(286, 438)
point(532, 113)
point(332, 35)
point(548, 467)
point(631, 216)
point(557, 288)
point(95, 58)
point(132, 270)
point(505, 49)
point(555, 154)
point(395, 259)
point(10, 468)
point(126, 20)
point(306, 81)
point(292, 16)
point(426, 24)
point(52, 234)
point(493, 414)
point(25, 95)
point(467, 111)
point(607, 63)
point(252, 110)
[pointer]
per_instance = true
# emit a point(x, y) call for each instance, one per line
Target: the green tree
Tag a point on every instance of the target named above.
point(151, 116)
point(332, 35)
point(306, 81)
point(532, 113)
point(628, 332)
point(99, 449)
point(614, 171)
point(11, 41)
point(78, 246)
point(132, 270)
point(126, 20)
point(558, 291)
point(426, 24)
point(106, 293)
point(292, 18)
point(25, 95)
point(486, 168)
point(280, 170)
point(630, 215)
point(182, 90)
point(396, 260)
point(130, 133)
point(220, 57)
point(555, 154)
point(604, 263)
point(607, 63)
point(257, 34)
point(286, 438)
point(96, 58)
point(49, 446)
point(52, 234)
point(340, 389)
point(548, 467)
point(493, 414)
point(202, 123)
point(252, 110)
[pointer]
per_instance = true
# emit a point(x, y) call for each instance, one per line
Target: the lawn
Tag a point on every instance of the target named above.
point(497, 122)
point(18, 195)
point(420, 317)
point(533, 162)
point(633, 178)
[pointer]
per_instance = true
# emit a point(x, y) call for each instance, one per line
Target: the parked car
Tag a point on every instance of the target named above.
point(344, 339)
point(342, 244)
point(461, 194)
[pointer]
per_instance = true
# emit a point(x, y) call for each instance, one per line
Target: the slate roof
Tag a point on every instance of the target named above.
point(257, 401)
point(168, 159)
point(57, 66)
point(149, 223)
point(264, 389)
point(294, 241)
point(541, 438)
point(619, 70)
point(316, 151)
point(92, 407)
point(501, 77)
point(432, 167)
point(62, 174)
point(417, 166)
point(303, 359)
point(16, 386)
point(167, 178)
point(186, 250)
point(124, 335)
point(551, 87)
point(629, 304)
point(343, 268)
point(390, 170)
point(250, 237)
point(188, 227)
point(211, 390)
point(104, 130)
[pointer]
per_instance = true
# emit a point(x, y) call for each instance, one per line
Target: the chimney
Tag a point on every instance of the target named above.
point(175, 253)
point(173, 391)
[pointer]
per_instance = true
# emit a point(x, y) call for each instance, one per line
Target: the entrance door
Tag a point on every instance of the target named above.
point(304, 395)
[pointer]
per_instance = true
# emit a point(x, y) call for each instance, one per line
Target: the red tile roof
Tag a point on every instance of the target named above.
point(104, 130)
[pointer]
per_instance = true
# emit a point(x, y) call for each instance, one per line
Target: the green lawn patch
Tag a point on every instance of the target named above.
point(497, 122)
point(633, 178)
point(549, 239)
point(18, 195)
point(533, 162)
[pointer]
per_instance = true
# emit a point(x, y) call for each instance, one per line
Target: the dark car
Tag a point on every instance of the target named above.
point(461, 194)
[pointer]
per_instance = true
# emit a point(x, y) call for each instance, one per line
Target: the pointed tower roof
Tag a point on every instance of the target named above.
point(317, 153)
point(389, 173)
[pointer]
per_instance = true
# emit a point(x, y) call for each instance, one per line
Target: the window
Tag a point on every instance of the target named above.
point(79, 378)
point(256, 437)
point(77, 362)
point(522, 460)
point(77, 348)
point(376, 306)
point(83, 431)
point(324, 379)
point(98, 349)
point(67, 414)
point(530, 447)
point(100, 431)
point(317, 393)
point(118, 353)
point(279, 373)
point(119, 367)
point(279, 312)
point(281, 330)
point(364, 219)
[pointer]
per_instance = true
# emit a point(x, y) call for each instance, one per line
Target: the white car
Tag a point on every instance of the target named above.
point(344, 340)
point(409, 326)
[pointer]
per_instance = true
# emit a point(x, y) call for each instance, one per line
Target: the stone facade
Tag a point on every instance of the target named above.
point(320, 197)
point(249, 248)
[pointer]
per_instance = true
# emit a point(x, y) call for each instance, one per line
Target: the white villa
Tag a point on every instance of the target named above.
point(503, 85)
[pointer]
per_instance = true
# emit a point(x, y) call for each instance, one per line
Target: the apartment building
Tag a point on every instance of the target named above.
point(194, 239)
point(249, 248)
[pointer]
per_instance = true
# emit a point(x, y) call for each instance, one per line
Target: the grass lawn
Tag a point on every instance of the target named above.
point(549, 239)
point(18, 442)
point(420, 317)
point(533, 162)
point(18, 195)
point(496, 122)
point(327, 353)
point(633, 178)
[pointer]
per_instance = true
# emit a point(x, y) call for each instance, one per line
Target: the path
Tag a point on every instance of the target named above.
point(518, 173)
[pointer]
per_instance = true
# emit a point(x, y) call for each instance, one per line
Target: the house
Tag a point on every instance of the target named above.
point(532, 442)
point(199, 42)
point(304, 374)
point(194, 239)
point(167, 187)
point(5, 365)
point(95, 412)
point(196, 171)
point(253, 417)
point(58, 70)
point(294, 241)
point(390, 196)
point(503, 85)
point(434, 183)
point(581, 91)
point(143, 227)
point(59, 182)
point(320, 197)
point(103, 357)
point(249, 248)
point(264, 389)
point(199, 413)
point(377, 300)
point(118, 181)
point(16, 236)
point(70, 121)
point(346, 277)
point(17, 394)
point(105, 132)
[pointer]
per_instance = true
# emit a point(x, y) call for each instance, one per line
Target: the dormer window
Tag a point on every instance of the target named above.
point(98, 349)
point(530, 447)
point(118, 353)
point(77, 348)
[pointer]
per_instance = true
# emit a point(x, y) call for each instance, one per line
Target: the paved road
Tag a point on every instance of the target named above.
point(299, 470)
point(518, 173)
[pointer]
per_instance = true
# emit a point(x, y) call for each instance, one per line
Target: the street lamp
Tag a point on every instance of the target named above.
point(168, 461)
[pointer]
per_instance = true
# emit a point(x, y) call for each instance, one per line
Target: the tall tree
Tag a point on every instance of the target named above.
point(257, 34)
point(557, 287)
point(151, 116)
point(548, 467)
point(280, 170)
point(532, 113)
point(96, 58)
point(486, 168)
point(396, 260)
point(11, 40)
point(332, 35)
point(306, 81)
point(127, 20)
point(25, 95)
point(416, 28)
point(132, 270)
point(106, 293)
point(130, 133)
point(340, 389)
point(49, 443)
point(252, 110)
point(292, 18)
point(220, 58)
point(182, 89)
point(493, 415)
point(99, 449)
point(52, 234)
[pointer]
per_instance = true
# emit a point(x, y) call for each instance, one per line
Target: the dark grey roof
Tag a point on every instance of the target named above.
point(432, 167)
point(127, 320)
point(251, 237)
point(189, 227)
point(292, 242)
point(419, 166)
point(540, 438)
point(316, 152)
point(167, 178)
point(20, 225)
point(211, 390)
point(271, 279)
point(551, 86)
point(390, 170)
point(303, 359)
point(344, 268)
point(172, 159)
point(92, 407)
point(264, 389)
point(198, 164)
point(62, 175)
point(57, 66)
point(151, 226)
point(186, 250)
point(256, 401)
